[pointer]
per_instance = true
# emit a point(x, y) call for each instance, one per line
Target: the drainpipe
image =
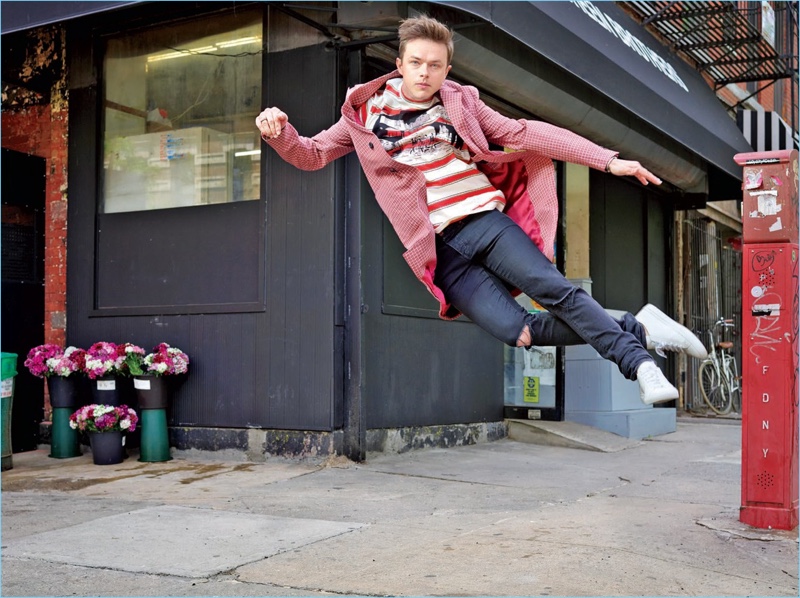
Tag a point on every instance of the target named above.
point(680, 301)
point(354, 441)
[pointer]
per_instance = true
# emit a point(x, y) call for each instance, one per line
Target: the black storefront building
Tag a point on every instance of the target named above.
point(308, 333)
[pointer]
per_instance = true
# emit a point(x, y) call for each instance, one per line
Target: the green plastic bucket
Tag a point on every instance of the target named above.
point(9, 372)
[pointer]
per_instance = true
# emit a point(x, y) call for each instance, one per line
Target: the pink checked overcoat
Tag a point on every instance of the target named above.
point(524, 171)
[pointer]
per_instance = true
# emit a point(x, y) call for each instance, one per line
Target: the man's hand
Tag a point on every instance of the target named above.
point(271, 122)
point(632, 168)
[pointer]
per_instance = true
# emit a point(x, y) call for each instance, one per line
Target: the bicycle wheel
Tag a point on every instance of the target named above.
point(734, 384)
point(714, 389)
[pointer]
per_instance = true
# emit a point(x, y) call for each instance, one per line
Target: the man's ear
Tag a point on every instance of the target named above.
point(398, 63)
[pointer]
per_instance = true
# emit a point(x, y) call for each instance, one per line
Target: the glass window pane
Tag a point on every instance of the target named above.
point(179, 108)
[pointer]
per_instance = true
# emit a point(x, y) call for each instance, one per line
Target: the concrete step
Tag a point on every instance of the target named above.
point(568, 434)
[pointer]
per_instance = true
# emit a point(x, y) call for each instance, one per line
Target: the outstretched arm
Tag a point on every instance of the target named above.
point(558, 143)
point(306, 153)
point(632, 168)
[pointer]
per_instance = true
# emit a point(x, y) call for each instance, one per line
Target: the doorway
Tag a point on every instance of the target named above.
point(23, 189)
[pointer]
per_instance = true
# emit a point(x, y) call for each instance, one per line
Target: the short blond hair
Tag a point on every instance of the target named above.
point(425, 27)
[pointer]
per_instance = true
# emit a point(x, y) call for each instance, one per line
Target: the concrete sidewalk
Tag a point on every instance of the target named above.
point(503, 518)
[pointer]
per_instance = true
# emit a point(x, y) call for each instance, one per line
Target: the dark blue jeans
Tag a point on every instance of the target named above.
point(482, 256)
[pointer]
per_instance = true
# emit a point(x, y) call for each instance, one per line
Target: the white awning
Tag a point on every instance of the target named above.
point(765, 131)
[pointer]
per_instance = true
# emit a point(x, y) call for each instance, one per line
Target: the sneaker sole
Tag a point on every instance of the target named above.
point(661, 400)
point(694, 347)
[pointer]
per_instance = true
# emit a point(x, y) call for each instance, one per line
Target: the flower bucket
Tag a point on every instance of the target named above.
point(151, 392)
point(108, 448)
point(63, 391)
point(107, 390)
point(106, 426)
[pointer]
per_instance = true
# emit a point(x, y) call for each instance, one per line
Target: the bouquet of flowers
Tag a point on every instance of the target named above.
point(132, 359)
point(52, 360)
point(104, 418)
point(166, 361)
point(101, 360)
point(107, 359)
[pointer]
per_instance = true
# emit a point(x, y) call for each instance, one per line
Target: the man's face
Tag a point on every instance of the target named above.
point(424, 68)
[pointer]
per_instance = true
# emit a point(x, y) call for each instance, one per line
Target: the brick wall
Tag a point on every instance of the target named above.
point(767, 97)
point(42, 131)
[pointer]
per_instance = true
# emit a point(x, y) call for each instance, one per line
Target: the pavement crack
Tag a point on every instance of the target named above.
point(443, 479)
point(754, 536)
point(648, 555)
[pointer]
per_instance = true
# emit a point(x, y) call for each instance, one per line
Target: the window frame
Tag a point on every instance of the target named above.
point(254, 295)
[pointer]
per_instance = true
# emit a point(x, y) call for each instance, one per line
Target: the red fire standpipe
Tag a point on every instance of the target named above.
point(770, 305)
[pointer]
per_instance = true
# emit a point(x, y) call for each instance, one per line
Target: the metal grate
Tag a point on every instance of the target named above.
point(765, 480)
point(724, 38)
point(19, 254)
point(713, 285)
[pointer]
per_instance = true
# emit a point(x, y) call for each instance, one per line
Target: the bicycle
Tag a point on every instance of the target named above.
point(718, 376)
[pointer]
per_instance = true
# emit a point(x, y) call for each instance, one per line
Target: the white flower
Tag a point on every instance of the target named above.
point(125, 424)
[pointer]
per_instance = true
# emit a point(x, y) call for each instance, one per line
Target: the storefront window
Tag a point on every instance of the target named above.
point(179, 105)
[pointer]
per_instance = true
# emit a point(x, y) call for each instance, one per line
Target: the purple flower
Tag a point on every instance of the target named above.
point(166, 360)
point(104, 418)
point(38, 357)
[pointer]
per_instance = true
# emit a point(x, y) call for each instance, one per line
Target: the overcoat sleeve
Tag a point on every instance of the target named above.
point(542, 138)
point(312, 153)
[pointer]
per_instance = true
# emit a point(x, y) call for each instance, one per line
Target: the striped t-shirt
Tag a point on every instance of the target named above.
point(420, 134)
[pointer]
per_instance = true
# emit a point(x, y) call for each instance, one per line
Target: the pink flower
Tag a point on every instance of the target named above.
point(49, 360)
point(166, 360)
point(104, 418)
point(78, 357)
point(103, 351)
point(101, 360)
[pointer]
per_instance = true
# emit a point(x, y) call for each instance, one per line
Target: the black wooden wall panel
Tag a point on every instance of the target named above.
point(301, 239)
point(420, 370)
point(173, 257)
point(658, 242)
point(628, 236)
point(618, 282)
point(273, 367)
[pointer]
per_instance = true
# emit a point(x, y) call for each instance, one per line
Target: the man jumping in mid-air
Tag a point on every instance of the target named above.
point(471, 194)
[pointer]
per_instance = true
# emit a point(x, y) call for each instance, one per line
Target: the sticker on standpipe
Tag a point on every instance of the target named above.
point(753, 178)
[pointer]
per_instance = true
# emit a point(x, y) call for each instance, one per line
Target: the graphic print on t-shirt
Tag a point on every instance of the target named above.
point(420, 134)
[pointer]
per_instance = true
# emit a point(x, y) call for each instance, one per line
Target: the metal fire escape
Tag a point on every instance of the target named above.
point(724, 40)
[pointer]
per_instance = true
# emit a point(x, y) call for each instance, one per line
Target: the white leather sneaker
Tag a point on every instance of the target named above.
point(665, 334)
point(653, 386)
